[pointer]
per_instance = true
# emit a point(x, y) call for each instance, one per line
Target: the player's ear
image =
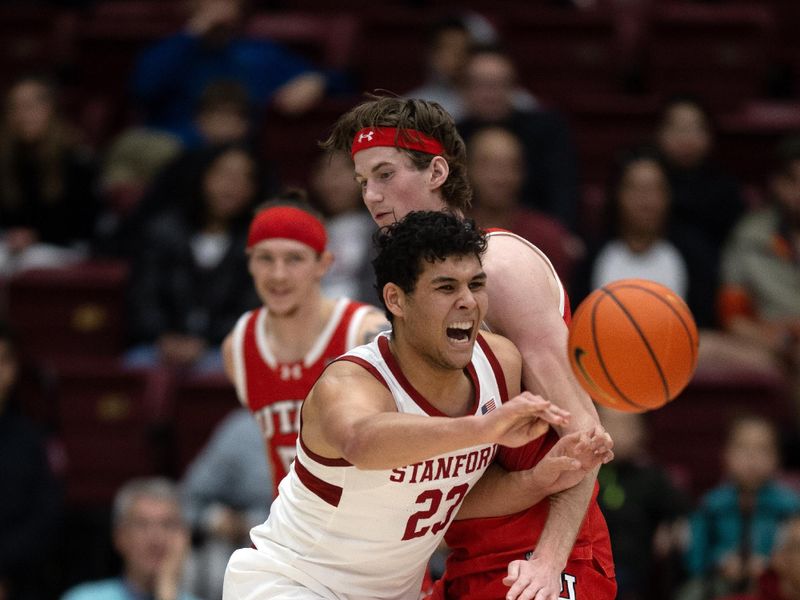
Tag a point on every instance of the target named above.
point(439, 170)
point(394, 298)
point(325, 261)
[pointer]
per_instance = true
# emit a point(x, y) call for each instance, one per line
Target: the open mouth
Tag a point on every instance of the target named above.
point(460, 332)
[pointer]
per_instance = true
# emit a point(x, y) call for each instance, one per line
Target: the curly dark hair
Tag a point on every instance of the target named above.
point(410, 113)
point(421, 235)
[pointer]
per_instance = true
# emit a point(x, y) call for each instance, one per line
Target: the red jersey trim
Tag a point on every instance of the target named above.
point(495, 364)
point(365, 365)
point(419, 399)
point(328, 492)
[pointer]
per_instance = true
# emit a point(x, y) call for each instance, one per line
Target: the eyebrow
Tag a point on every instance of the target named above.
point(445, 279)
point(373, 169)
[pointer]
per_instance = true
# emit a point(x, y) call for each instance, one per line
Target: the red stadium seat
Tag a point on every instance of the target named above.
point(689, 432)
point(561, 53)
point(199, 404)
point(76, 311)
point(719, 53)
point(324, 39)
point(107, 424)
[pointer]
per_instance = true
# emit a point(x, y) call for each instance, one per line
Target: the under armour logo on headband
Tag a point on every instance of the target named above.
point(410, 139)
point(366, 136)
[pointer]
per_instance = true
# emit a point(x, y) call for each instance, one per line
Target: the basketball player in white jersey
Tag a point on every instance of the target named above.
point(275, 353)
point(394, 434)
point(409, 156)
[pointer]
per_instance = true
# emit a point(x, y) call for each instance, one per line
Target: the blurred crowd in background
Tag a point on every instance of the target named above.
point(626, 138)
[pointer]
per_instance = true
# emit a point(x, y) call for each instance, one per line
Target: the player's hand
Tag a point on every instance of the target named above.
point(572, 457)
point(522, 419)
point(533, 579)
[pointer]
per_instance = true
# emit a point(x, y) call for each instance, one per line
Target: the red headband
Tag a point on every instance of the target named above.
point(288, 223)
point(410, 139)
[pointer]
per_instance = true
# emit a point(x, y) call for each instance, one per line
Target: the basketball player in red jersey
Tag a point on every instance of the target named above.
point(275, 353)
point(408, 156)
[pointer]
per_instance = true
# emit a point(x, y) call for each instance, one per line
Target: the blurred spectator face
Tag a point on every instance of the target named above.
point(146, 534)
point(333, 185)
point(449, 53)
point(685, 135)
point(751, 455)
point(488, 86)
point(496, 168)
point(223, 125)
point(786, 190)
point(220, 18)
point(8, 371)
point(30, 110)
point(229, 184)
point(627, 431)
point(643, 198)
point(786, 559)
point(286, 274)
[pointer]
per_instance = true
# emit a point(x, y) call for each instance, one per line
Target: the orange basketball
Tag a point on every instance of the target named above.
point(633, 345)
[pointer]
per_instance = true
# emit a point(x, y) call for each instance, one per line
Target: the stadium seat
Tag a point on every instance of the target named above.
point(326, 40)
point(561, 53)
point(75, 311)
point(719, 53)
point(689, 432)
point(108, 420)
point(200, 402)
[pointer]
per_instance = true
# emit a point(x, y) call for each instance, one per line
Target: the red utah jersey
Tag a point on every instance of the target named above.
point(274, 391)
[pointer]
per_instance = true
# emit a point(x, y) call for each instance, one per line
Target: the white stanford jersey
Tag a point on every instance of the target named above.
point(347, 533)
point(274, 391)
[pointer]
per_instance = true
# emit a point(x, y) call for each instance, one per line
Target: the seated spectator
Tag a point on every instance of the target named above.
point(171, 75)
point(641, 244)
point(496, 167)
point(227, 491)
point(551, 172)
point(734, 528)
point(760, 290)
point(337, 196)
point(47, 204)
point(448, 44)
point(705, 197)
point(151, 536)
point(189, 282)
point(781, 581)
point(644, 510)
point(30, 503)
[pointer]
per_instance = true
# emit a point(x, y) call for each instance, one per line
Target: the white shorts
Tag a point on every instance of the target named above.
point(246, 579)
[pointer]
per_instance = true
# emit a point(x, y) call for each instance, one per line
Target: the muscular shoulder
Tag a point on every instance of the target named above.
point(344, 378)
point(508, 256)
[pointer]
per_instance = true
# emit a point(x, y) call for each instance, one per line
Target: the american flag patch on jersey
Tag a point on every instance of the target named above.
point(490, 405)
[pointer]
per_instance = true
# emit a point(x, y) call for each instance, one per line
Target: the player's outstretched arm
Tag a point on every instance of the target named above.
point(526, 310)
point(350, 415)
point(500, 492)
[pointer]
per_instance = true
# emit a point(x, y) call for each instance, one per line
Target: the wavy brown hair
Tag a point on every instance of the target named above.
point(410, 114)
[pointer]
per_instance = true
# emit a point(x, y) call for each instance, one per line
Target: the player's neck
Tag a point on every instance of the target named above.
point(448, 389)
point(291, 336)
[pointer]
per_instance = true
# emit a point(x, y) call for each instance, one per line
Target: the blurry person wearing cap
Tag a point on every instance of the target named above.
point(275, 353)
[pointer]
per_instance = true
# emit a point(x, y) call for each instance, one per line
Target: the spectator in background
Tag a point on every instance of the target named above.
point(337, 196)
point(644, 510)
point(641, 243)
point(705, 197)
point(30, 503)
point(496, 167)
point(782, 580)
point(226, 492)
point(171, 76)
point(551, 172)
point(151, 535)
point(189, 282)
point(47, 203)
point(733, 530)
point(760, 289)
